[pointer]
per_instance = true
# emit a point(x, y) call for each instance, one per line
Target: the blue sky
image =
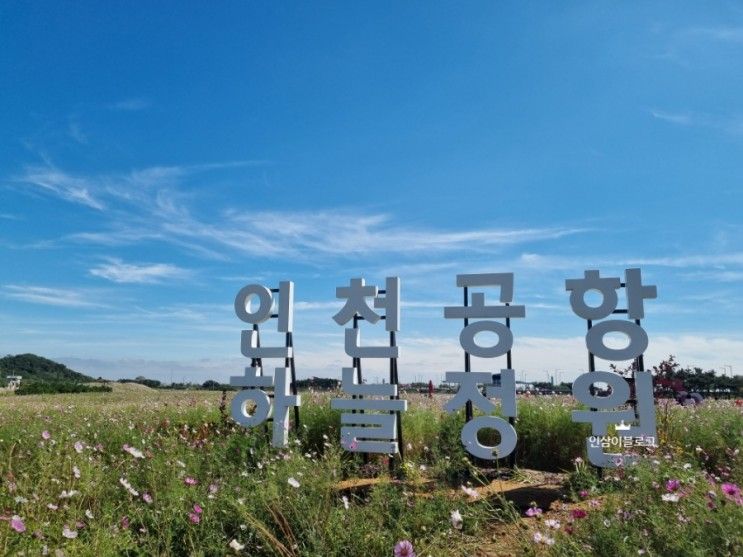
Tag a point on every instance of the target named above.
point(155, 160)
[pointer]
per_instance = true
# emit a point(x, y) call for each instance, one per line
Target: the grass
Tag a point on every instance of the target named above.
point(144, 472)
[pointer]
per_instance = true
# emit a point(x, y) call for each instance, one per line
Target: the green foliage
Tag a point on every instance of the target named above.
point(34, 367)
point(548, 438)
point(58, 387)
point(644, 514)
point(151, 383)
point(318, 384)
point(63, 459)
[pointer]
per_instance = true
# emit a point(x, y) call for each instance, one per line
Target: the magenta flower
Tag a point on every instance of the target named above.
point(578, 513)
point(404, 548)
point(16, 523)
point(188, 480)
point(672, 485)
point(732, 492)
point(583, 493)
point(194, 518)
point(197, 509)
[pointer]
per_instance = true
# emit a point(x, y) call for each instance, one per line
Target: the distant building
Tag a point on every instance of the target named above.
point(14, 381)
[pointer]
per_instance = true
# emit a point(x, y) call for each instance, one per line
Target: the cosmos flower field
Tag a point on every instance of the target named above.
point(150, 472)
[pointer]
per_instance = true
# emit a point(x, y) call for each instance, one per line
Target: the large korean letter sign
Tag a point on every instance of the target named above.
point(362, 431)
point(607, 411)
point(469, 381)
point(254, 379)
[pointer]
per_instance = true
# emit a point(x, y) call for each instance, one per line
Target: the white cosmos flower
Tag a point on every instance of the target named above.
point(136, 453)
point(456, 519)
point(236, 545)
point(128, 487)
point(471, 492)
point(69, 534)
point(292, 482)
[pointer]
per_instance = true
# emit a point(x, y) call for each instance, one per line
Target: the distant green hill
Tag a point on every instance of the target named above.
point(32, 367)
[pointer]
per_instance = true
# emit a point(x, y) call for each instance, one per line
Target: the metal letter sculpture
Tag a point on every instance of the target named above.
point(470, 393)
point(284, 380)
point(642, 409)
point(361, 431)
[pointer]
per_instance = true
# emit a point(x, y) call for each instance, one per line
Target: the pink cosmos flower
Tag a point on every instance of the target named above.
point(578, 513)
point(197, 509)
point(730, 489)
point(533, 511)
point(672, 485)
point(124, 522)
point(147, 498)
point(16, 523)
point(583, 493)
point(188, 480)
point(79, 447)
point(404, 548)
point(194, 518)
point(732, 492)
point(45, 435)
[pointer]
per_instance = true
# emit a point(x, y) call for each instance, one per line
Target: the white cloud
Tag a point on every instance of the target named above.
point(683, 119)
point(730, 124)
point(558, 262)
point(726, 34)
point(50, 296)
point(149, 205)
point(335, 233)
point(424, 358)
point(118, 271)
point(75, 131)
point(130, 105)
point(71, 188)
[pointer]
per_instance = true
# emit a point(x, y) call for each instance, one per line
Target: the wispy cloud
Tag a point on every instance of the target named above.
point(66, 297)
point(75, 131)
point(150, 204)
point(130, 105)
point(725, 34)
point(118, 271)
point(684, 119)
point(71, 188)
point(558, 262)
point(139, 186)
point(337, 233)
point(732, 124)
